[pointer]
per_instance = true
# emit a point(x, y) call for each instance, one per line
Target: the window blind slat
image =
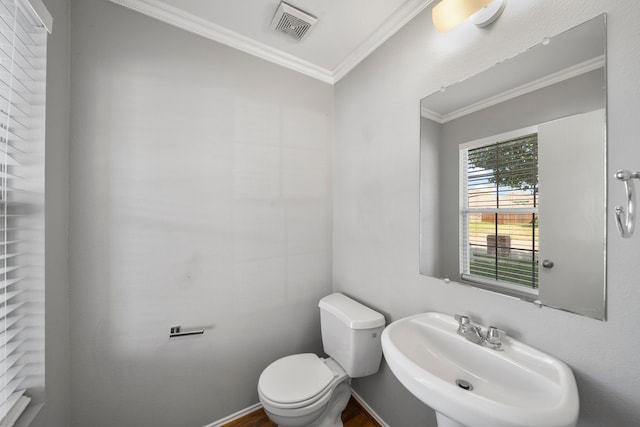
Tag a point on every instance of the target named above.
point(9, 282)
point(10, 349)
point(9, 322)
point(10, 242)
point(21, 86)
point(7, 159)
point(11, 121)
point(7, 296)
point(10, 376)
point(25, 34)
point(18, 112)
point(7, 9)
point(8, 68)
point(7, 175)
point(9, 362)
point(8, 335)
point(18, 99)
point(26, 57)
point(5, 255)
point(8, 133)
point(8, 309)
point(22, 42)
point(499, 210)
point(14, 57)
point(11, 190)
point(8, 269)
point(28, 23)
point(17, 132)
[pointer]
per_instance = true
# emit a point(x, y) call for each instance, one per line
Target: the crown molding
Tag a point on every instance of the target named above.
point(391, 26)
point(548, 80)
point(431, 115)
point(173, 16)
point(186, 21)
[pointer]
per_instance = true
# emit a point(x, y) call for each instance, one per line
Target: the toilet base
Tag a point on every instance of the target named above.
point(339, 401)
point(329, 417)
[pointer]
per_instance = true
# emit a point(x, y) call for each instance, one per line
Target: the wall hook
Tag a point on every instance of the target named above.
point(625, 219)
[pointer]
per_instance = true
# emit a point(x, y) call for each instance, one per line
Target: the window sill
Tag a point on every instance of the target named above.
point(530, 295)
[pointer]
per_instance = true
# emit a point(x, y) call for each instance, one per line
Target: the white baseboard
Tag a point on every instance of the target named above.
point(241, 413)
point(371, 412)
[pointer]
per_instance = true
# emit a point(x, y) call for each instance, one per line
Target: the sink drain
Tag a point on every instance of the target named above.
point(465, 385)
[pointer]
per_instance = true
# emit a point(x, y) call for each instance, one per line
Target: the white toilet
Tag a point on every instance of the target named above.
point(306, 390)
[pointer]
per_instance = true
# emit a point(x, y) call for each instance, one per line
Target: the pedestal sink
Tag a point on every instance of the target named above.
point(469, 385)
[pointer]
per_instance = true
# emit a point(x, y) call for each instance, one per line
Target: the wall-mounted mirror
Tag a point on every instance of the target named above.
point(513, 175)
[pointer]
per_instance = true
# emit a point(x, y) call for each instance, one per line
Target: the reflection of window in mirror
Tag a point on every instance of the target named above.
point(499, 211)
point(559, 90)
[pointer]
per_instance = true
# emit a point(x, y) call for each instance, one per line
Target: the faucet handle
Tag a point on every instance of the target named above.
point(462, 320)
point(494, 338)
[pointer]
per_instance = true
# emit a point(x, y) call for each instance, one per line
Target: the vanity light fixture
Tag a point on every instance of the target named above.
point(448, 14)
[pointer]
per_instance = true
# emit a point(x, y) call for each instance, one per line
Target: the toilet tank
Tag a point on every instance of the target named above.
point(351, 334)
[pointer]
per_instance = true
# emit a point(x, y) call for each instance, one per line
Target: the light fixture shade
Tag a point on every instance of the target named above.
point(449, 13)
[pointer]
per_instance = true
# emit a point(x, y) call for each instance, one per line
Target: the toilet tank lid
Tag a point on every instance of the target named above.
point(350, 312)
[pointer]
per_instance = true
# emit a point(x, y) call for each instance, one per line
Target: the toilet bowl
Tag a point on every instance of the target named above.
point(304, 390)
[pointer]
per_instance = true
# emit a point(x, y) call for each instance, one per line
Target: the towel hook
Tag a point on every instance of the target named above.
point(625, 220)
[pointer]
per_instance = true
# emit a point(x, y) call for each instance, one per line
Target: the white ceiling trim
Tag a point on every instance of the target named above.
point(553, 78)
point(398, 20)
point(159, 10)
point(186, 21)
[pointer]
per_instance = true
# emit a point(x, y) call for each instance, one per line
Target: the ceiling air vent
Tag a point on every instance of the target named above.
point(292, 21)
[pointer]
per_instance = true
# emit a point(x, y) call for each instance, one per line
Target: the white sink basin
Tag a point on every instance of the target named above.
point(519, 386)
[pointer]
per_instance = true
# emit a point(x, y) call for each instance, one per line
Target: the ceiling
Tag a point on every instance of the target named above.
point(346, 32)
point(571, 53)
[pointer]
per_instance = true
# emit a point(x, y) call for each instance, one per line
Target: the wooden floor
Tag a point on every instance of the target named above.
point(354, 415)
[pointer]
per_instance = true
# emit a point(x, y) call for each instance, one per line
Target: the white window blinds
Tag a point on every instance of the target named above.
point(22, 103)
point(499, 213)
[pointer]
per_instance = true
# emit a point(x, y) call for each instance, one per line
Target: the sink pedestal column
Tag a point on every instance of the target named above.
point(444, 421)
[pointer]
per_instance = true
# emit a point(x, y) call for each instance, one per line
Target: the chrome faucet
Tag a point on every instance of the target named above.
point(492, 338)
point(468, 330)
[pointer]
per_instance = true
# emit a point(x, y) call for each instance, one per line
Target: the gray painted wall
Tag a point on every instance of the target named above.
point(376, 203)
point(200, 184)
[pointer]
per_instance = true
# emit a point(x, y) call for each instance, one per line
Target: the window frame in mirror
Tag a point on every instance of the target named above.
point(526, 292)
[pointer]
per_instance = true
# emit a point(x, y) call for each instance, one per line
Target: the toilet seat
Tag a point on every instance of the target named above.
point(296, 381)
